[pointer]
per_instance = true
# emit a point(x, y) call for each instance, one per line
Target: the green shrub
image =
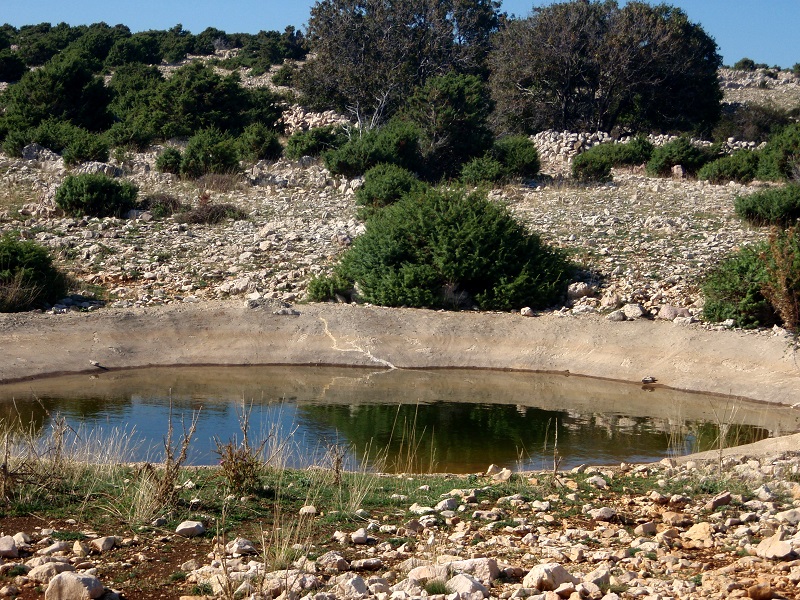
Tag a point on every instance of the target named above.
point(733, 290)
point(450, 249)
point(95, 196)
point(314, 142)
point(12, 68)
point(385, 185)
point(285, 74)
point(775, 206)
point(518, 156)
point(258, 142)
point(327, 287)
point(395, 143)
point(28, 278)
point(592, 165)
point(782, 282)
point(169, 161)
point(483, 169)
point(451, 114)
point(85, 146)
point(780, 157)
point(678, 152)
point(741, 166)
point(750, 122)
point(595, 164)
point(209, 151)
point(796, 69)
point(745, 64)
point(75, 144)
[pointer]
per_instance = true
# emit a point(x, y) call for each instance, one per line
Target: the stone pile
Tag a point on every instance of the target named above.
point(649, 544)
point(558, 148)
point(760, 78)
point(296, 118)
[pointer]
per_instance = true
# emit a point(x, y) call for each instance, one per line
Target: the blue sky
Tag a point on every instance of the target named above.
point(768, 31)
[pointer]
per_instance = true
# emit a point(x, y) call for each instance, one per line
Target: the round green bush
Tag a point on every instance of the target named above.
point(483, 169)
point(169, 161)
point(28, 278)
point(450, 249)
point(285, 74)
point(518, 155)
point(741, 166)
point(733, 290)
point(781, 156)
point(775, 206)
point(209, 151)
point(595, 164)
point(314, 142)
point(95, 195)
point(592, 166)
point(259, 142)
point(396, 143)
point(678, 152)
point(385, 185)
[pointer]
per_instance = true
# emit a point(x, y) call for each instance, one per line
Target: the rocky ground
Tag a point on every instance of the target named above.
point(720, 529)
point(639, 239)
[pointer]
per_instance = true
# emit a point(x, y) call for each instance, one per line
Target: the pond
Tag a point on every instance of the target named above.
point(457, 421)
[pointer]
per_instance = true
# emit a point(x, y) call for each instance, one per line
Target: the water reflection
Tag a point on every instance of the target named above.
point(458, 421)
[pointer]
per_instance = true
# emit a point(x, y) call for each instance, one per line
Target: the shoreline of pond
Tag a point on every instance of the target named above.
point(755, 366)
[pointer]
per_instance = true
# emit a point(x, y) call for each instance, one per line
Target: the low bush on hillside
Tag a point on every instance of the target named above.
point(385, 185)
point(395, 143)
point(75, 144)
point(592, 166)
point(595, 164)
point(162, 205)
point(679, 152)
point(733, 290)
point(314, 142)
point(741, 166)
point(484, 169)
point(781, 156)
point(210, 213)
point(95, 196)
point(775, 206)
point(510, 156)
point(518, 156)
point(209, 151)
point(169, 161)
point(259, 142)
point(285, 74)
point(450, 249)
point(28, 278)
point(750, 122)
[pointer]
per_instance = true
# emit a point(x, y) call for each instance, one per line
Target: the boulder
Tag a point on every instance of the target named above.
point(190, 529)
point(463, 584)
point(73, 586)
point(8, 547)
point(774, 548)
point(548, 576)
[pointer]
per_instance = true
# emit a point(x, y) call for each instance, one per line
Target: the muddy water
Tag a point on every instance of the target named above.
point(451, 420)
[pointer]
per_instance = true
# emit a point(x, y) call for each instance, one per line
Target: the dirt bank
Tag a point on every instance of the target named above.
point(759, 367)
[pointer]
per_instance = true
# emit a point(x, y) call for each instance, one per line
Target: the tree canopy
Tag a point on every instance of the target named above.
point(368, 53)
point(592, 66)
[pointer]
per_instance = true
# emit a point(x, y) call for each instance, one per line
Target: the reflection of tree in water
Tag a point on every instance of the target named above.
point(468, 437)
